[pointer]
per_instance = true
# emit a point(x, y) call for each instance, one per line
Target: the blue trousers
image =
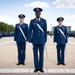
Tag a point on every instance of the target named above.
point(38, 60)
point(21, 52)
point(60, 52)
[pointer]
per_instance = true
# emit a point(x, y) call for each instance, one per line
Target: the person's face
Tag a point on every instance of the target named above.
point(60, 22)
point(37, 14)
point(21, 20)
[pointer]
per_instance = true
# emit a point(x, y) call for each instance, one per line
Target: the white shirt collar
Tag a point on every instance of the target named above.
point(38, 18)
point(21, 23)
point(60, 25)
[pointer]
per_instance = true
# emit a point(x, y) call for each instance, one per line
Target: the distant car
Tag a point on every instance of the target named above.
point(10, 34)
point(71, 34)
point(5, 34)
point(0, 35)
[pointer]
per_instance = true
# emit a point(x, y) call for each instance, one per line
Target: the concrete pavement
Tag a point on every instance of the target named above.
point(8, 56)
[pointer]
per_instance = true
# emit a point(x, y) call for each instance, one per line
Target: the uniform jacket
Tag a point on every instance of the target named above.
point(36, 36)
point(18, 37)
point(58, 36)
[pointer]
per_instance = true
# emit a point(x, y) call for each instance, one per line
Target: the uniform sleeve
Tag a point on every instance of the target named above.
point(15, 33)
point(45, 31)
point(30, 32)
point(66, 34)
point(27, 33)
point(54, 39)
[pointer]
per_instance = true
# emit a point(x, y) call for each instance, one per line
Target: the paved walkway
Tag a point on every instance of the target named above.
point(8, 58)
point(28, 70)
point(37, 74)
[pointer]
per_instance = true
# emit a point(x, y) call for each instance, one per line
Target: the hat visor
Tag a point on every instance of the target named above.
point(59, 20)
point(38, 11)
point(21, 17)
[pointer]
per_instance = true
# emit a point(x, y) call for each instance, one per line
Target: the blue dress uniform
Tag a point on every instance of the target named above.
point(21, 41)
point(38, 39)
point(61, 41)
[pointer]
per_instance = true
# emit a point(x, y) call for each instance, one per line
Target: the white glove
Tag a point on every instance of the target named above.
point(31, 45)
point(27, 42)
point(66, 43)
point(45, 44)
point(55, 43)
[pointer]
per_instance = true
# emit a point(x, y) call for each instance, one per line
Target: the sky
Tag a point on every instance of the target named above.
point(52, 9)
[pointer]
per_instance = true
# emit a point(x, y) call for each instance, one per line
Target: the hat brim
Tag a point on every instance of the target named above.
point(39, 10)
point(60, 20)
point(21, 17)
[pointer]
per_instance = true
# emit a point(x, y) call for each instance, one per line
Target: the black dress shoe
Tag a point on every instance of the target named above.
point(18, 63)
point(23, 63)
point(36, 70)
point(41, 70)
point(58, 63)
point(63, 63)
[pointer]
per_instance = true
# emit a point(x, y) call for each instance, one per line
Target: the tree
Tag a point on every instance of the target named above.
point(6, 27)
point(10, 28)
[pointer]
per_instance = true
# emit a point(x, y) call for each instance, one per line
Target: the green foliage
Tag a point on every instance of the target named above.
point(6, 27)
point(50, 32)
